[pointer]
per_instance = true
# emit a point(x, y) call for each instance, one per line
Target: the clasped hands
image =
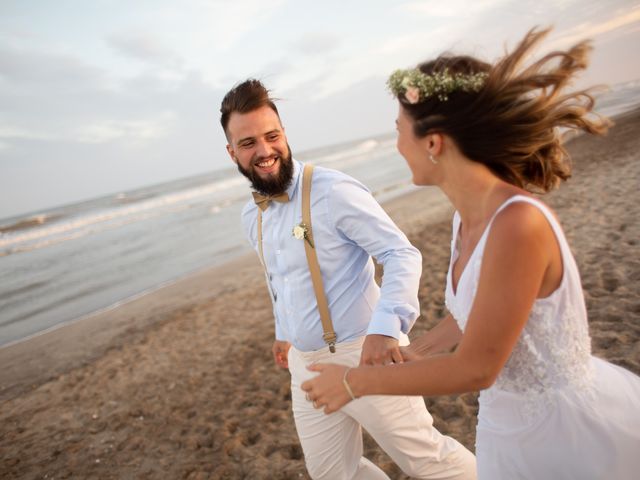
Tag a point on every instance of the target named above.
point(328, 389)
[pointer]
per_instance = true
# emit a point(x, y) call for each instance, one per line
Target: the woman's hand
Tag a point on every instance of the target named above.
point(409, 354)
point(327, 389)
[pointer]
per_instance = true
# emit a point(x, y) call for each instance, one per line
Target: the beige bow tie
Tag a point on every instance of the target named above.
point(263, 201)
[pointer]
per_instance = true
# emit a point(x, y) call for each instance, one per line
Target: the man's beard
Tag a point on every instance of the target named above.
point(273, 184)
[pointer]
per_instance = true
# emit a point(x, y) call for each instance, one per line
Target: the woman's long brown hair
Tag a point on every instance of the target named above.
point(513, 124)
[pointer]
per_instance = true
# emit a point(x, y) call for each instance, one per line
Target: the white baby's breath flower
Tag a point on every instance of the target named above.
point(417, 86)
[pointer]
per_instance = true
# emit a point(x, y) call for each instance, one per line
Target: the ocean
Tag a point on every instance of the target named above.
point(69, 262)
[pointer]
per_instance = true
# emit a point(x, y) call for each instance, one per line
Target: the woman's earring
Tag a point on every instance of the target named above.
point(433, 160)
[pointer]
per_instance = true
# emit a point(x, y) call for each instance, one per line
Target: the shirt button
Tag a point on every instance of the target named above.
point(286, 279)
point(277, 252)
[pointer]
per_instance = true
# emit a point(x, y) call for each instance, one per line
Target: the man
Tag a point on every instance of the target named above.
point(349, 227)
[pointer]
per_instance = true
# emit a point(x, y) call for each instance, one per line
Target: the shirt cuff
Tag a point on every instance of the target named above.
point(392, 324)
point(383, 323)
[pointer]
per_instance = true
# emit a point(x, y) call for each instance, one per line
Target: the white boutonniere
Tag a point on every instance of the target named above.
point(301, 232)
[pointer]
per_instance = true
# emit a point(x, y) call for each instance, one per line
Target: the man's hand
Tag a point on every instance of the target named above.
point(280, 350)
point(380, 350)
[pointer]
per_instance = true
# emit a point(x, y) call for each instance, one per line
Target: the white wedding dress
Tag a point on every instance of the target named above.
point(555, 412)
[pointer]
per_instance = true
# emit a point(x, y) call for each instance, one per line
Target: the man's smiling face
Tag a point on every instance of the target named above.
point(258, 145)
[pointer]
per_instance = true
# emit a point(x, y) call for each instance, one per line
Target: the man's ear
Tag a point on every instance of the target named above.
point(231, 153)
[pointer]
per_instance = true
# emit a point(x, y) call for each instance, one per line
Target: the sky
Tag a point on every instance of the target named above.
point(105, 96)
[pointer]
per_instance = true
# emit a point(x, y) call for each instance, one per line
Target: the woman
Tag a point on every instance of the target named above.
point(487, 135)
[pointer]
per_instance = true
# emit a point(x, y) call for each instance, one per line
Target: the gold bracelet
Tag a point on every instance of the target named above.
point(346, 384)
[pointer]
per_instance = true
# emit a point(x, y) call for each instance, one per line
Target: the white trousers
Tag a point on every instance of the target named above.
point(402, 426)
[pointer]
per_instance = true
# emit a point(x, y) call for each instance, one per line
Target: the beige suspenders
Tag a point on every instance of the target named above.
point(329, 335)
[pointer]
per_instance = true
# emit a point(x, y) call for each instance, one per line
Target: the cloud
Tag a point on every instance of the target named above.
point(383, 57)
point(452, 8)
point(11, 132)
point(100, 131)
point(212, 25)
point(619, 20)
point(21, 66)
point(145, 47)
point(131, 131)
point(410, 44)
point(273, 73)
point(363, 109)
point(317, 43)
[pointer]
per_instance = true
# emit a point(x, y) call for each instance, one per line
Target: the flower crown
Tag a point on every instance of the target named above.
point(417, 86)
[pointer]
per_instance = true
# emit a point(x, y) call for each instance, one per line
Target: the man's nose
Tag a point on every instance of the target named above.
point(263, 149)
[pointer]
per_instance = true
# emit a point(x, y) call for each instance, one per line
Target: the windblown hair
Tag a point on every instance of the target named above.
point(512, 124)
point(244, 98)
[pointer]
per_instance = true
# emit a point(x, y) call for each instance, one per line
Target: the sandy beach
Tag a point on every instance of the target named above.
point(180, 384)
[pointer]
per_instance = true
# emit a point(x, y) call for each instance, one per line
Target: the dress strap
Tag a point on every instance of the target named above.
point(569, 266)
point(555, 225)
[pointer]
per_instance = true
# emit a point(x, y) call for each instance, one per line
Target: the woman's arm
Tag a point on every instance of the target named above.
point(515, 260)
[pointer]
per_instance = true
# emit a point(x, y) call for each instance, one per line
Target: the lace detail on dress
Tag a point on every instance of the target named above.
point(553, 352)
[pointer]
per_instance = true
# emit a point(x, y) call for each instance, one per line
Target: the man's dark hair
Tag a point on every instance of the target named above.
point(243, 98)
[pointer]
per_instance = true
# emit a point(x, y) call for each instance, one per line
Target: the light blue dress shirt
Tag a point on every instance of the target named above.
point(349, 227)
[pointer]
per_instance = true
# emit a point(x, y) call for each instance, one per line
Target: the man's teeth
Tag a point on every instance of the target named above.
point(267, 163)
